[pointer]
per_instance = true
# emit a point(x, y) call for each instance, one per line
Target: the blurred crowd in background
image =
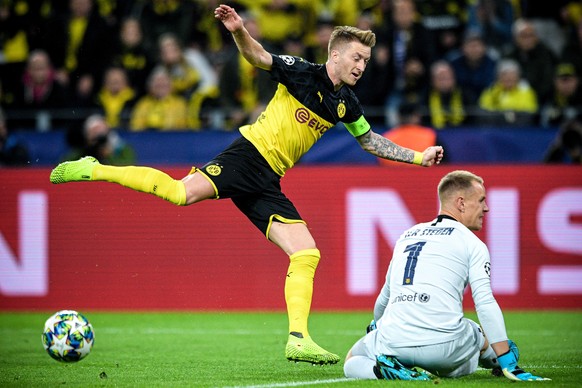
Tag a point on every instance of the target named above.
point(169, 65)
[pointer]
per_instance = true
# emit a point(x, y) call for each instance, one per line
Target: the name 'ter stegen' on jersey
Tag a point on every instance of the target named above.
point(303, 108)
point(422, 298)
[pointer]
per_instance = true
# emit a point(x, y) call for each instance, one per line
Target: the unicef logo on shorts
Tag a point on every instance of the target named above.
point(288, 59)
point(424, 298)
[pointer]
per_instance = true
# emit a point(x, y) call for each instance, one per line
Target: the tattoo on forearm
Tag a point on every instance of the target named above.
point(384, 148)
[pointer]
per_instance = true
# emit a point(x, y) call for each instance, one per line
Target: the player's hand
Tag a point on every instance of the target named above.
point(228, 16)
point(371, 326)
point(432, 155)
point(511, 370)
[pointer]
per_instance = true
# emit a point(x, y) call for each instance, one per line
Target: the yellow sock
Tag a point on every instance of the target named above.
point(299, 288)
point(144, 179)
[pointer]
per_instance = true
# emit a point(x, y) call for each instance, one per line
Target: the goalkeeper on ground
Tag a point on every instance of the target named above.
point(418, 316)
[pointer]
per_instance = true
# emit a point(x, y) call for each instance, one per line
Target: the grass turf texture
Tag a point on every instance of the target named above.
point(247, 349)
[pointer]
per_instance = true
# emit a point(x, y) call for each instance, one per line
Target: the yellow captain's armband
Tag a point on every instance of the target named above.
point(359, 127)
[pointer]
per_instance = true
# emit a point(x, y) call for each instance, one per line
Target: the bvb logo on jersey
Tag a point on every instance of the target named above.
point(341, 110)
point(214, 170)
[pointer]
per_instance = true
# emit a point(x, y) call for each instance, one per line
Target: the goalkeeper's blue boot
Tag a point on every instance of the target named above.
point(306, 350)
point(74, 171)
point(389, 368)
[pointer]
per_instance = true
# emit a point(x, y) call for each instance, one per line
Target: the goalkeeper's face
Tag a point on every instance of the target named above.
point(474, 207)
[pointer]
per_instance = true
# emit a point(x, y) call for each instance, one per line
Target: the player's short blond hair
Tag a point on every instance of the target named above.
point(346, 34)
point(454, 181)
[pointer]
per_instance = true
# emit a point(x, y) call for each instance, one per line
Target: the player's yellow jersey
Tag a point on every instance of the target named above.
point(303, 108)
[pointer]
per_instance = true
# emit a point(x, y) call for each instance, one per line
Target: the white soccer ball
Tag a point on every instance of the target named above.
point(68, 336)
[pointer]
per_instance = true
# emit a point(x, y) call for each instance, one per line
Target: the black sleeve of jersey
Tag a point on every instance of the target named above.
point(291, 71)
point(304, 80)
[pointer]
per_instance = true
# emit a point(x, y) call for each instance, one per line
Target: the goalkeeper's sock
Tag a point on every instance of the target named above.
point(299, 289)
point(144, 179)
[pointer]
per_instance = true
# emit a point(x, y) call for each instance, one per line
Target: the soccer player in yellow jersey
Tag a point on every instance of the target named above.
point(309, 100)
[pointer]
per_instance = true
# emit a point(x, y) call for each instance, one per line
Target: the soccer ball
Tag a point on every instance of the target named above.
point(68, 336)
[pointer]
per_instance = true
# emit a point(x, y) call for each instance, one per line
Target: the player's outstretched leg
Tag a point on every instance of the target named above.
point(144, 179)
point(389, 368)
point(298, 294)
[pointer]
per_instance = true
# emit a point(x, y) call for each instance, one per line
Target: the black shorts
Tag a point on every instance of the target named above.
point(242, 174)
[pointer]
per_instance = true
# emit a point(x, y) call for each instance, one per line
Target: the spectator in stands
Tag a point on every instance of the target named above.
point(206, 35)
point(283, 18)
point(567, 146)
point(244, 90)
point(446, 101)
point(130, 54)
point(536, 60)
point(474, 66)
point(103, 143)
point(317, 52)
point(193, 77)
point(411, 53)
point(445, 20)
point(372, 89)
point(159, 109)
point(572, 52)
point(565, 102)
point(79, 47)
point(116, 98)
point(409, 132)
point(185, 75)
point(510, 98)
point(158, 17)
point(12, 152)
point(493, 19)
point(549, 19)
point(294, 46)
point(15, 22)
point(38, 92)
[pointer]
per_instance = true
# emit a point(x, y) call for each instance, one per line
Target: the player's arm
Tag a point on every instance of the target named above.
point(491, 319)
point(384, 148)
point(383, 297)
point(250, 49)
point(381, 303)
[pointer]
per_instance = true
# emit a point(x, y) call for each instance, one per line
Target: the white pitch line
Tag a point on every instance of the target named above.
point(295, 383)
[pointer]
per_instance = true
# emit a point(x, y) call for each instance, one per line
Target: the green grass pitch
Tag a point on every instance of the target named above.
point(246, 349)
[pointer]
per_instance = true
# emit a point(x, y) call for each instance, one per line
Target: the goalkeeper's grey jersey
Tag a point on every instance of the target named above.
point(421, 302)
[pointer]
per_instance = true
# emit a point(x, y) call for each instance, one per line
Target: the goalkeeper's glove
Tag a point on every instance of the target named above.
point(510, 369)
point(371, 326)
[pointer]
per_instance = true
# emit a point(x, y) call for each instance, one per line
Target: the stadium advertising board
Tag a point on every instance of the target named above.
point(101, 246)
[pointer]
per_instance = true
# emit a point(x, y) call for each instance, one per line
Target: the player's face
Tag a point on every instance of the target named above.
point(350, 62)
point(475, 207)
